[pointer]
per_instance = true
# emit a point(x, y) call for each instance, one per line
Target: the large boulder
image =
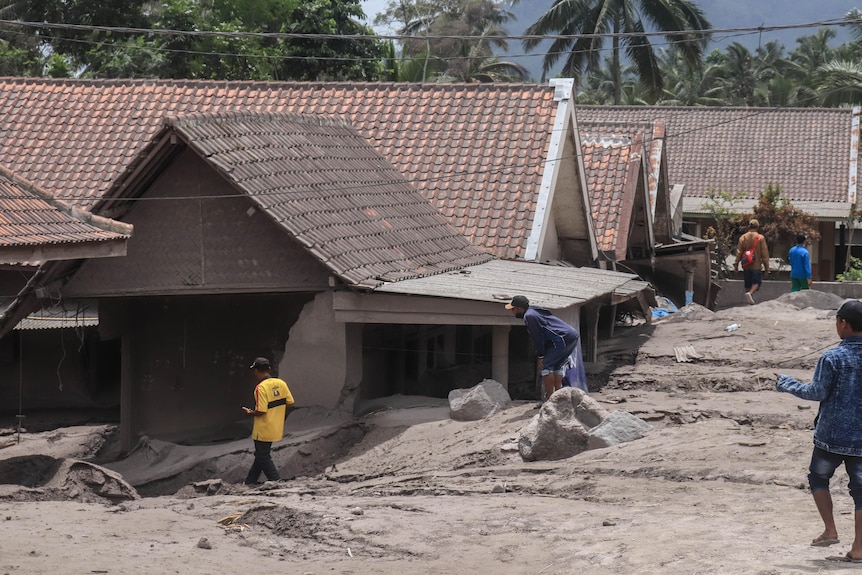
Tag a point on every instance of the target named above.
point(479, 401)
point(561, 429)
point(618, 427)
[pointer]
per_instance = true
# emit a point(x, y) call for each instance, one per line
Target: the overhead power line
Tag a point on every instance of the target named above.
point(293, 35)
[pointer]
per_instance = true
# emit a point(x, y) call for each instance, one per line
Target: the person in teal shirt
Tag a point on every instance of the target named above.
point(800, 265)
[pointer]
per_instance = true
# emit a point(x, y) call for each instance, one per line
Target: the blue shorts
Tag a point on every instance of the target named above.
point(823, 466)
point(752, 277)
point(556, 358)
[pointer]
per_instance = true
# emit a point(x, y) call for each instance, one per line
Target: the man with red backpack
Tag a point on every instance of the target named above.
point(753, 254)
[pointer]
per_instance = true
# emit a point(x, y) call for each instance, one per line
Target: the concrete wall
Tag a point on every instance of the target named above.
point(320, 356)
point(732, 291)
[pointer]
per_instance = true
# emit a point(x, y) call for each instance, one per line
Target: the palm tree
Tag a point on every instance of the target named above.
point(840, 82)
point(686, 85)
point(585, 24)
point(744, 74)
point(598, 88)
point(464, 35)
point(813, 51)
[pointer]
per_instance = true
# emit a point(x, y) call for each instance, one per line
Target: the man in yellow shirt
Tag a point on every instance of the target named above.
point(271, 399)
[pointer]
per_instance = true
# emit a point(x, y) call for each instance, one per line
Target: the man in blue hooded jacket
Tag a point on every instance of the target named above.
point(837, 385)
point(554, 339)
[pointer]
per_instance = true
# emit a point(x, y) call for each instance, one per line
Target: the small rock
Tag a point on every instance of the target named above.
point(357, 511)
point(498, 488)
point(204, 543)
point(608, 523)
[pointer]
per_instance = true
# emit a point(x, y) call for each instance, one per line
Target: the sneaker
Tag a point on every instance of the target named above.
point(749, 298)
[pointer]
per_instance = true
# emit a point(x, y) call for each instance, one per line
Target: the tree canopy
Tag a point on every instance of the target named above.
point(213, 39)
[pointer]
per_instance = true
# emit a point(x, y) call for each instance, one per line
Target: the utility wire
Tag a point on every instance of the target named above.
point(399, 37)
point(423, 182)
point(728, 32)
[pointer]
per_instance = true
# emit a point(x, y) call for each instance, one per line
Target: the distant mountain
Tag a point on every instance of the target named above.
point(722, 14)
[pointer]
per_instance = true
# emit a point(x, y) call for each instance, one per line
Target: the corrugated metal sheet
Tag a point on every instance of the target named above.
point(822, 210)
point(552, 287)
point(58, 317)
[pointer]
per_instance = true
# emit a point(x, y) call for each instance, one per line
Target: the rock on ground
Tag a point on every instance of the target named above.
point(618, 427)
point(478, 402)
point(561, 429)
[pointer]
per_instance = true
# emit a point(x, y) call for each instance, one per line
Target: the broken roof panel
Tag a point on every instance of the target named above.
point(474, 150)
point(323, 183)
point(552, 287)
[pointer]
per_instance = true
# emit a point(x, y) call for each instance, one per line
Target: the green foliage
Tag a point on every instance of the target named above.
point(585, 22)
point(107, 54)
point(329, 58)
point(19, 61)
point(853, 273)
point(727, 222)
point(779, 223)
point(463, 37)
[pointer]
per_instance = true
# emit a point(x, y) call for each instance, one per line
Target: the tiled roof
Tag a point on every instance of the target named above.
point(804, 150)
point(330, 190)
point(612, 162)
point(30, 217)
point(475, 150)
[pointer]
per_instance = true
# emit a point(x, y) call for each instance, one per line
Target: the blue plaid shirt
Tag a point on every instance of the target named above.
point(837, 385)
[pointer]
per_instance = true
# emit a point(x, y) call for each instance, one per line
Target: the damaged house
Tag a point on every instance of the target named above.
point(636, 214)
point(256, 235)
point(288, 235)
point(36, 228)
point(811, 153)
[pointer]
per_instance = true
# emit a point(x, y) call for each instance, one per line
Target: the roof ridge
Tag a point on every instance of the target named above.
point(749, 109)
point(201, 82)
point(197, 118)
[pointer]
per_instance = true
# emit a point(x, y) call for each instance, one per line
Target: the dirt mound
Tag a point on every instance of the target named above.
point(812, 298)
point(44, 478)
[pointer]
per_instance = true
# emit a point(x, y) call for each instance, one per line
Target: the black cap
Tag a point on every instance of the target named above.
point(519, 301)
point(260, 363)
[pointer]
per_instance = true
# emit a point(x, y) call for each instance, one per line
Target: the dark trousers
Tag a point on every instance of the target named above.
point(262, 462)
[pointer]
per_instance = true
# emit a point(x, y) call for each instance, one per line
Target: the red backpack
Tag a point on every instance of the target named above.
point(748, 256)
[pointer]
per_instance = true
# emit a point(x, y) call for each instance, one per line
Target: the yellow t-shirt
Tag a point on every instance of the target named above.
point(271, 397)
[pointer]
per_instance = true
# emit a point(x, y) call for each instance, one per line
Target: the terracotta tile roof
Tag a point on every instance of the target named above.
point(613, 155)
point(322, 182)
point(805, 150)
point(475, 150)
point(30, 217)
